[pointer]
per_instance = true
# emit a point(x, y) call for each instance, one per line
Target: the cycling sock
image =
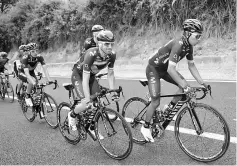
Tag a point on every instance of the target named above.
point(147, 124)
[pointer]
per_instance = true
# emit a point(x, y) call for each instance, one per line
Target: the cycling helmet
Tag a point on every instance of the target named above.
point(192, 25)
point(105, 36)
point(3, 54)
point(97, 28)
point(32, 46)
point(24, 48)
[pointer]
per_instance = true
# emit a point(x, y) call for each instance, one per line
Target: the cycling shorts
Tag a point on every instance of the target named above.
point(154, 75)
point(76, 79)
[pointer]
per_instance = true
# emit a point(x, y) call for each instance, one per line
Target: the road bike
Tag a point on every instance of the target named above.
point(117, 137)
point(72, 95)
point(43, 104)
point(200, 130)
point(6, 89)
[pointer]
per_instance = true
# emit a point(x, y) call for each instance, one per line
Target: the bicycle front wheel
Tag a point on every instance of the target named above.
point(70, 136)
point(50, 106)
point(205, 145)
point(133, 111)
point(117, 137)
point(29, 112)
point(115, 106)
point(9, 92)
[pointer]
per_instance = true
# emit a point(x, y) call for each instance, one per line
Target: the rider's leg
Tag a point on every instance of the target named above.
point(175, 99)
point(154, 90)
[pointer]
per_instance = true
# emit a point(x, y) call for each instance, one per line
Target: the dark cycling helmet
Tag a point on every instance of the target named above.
point(3, 54)
point(105, 36)
point(32, 46)
point(24, 48)
point(192, 25)
point(97, 28)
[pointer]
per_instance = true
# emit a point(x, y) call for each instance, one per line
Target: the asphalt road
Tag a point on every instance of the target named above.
point(22, 142)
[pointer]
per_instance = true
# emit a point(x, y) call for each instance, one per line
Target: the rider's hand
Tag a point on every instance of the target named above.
point(115, 97)
point(205, 85)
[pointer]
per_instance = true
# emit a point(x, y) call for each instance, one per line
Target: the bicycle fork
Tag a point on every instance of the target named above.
point(195, 120)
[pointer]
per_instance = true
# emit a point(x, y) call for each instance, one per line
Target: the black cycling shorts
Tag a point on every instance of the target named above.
point(154, 75)
point(23, 77)
point(76, 79)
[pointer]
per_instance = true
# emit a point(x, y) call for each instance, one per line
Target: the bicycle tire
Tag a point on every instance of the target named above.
point(204, 136)
point(112, 125)
point(26, 109)
point(9, 90)
point(63, 109)
point(135, 124)
point(51, 119)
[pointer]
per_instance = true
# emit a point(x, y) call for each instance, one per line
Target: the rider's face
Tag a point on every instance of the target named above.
point(107, 47)
point(33, 52)
point(195, 38)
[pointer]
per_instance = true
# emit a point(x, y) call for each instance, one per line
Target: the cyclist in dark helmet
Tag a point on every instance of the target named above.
point(27, 74)
point(163, 65)
point(83, 77)
point(92, 41)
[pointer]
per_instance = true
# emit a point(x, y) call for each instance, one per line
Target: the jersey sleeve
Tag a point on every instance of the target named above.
point(175, 52)
point(24, 61)
point(41, 60)
point(89, 59)
point(112, 61)
point(189, 56)
point(87, 44)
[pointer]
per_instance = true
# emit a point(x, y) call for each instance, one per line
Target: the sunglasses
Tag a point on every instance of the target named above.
point(197, 36)
point(108, 44)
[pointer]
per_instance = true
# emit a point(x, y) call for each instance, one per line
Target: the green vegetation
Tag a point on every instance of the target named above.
point(61, 26)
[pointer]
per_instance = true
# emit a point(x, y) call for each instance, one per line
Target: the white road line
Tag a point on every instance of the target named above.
point(124, 78)
point(184, 130)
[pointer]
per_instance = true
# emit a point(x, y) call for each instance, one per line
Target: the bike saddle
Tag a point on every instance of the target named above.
point(144, 82)
point(68, 86)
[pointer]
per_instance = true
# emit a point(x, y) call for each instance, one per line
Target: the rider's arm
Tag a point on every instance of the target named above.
point(27, 73)
point(173, 59)
point(111, 78)
point(7, 66)
point(46, 73)
point(88, 61)
point(193, 70)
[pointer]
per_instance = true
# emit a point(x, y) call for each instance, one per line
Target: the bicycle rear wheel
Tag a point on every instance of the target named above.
point(117, 141)
point(50, 106)
point(130, 112)
point(9, 92)
point(212, 142)
point(71, 137)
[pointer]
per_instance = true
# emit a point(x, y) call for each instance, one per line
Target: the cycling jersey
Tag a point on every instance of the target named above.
point(92, 62)
point(31, 62)
point(173, 51)
point(3, 62)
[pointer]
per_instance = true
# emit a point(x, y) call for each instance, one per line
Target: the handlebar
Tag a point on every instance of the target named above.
point(41, 85)
point(194, 95)
point(100, 75)
point(104, 91)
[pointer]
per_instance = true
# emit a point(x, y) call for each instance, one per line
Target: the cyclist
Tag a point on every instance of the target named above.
point(84, 71)
point(163, 65)
point(29, 63)
point(4, 66)
point(92, 42)
point(23, 51)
